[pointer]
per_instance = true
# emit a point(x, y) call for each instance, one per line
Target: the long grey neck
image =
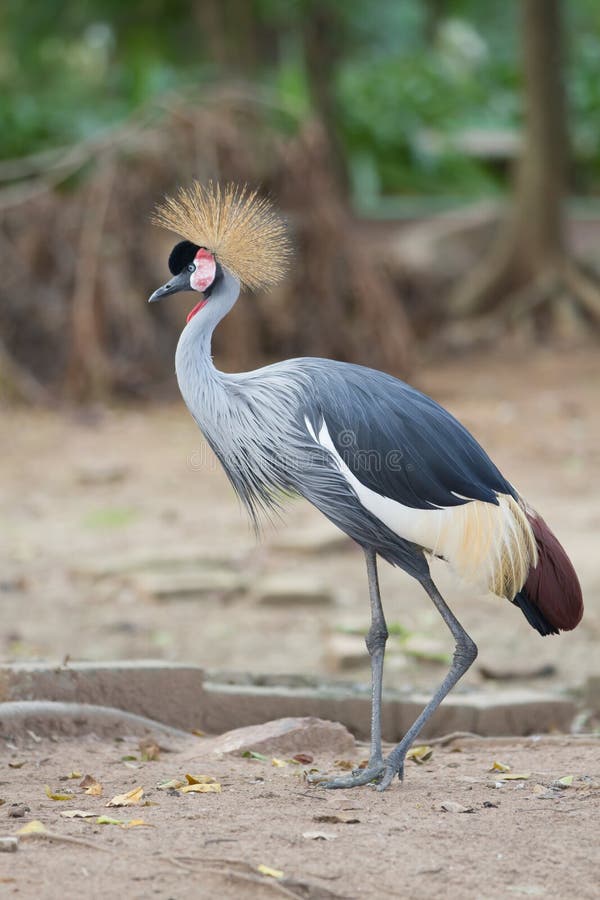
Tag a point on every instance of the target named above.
point(193, 360)
point(249, 420)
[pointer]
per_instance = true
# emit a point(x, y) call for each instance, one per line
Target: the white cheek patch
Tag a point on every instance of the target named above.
point(206, 269)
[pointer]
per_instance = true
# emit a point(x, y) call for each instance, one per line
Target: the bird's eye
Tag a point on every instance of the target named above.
point(191, 267)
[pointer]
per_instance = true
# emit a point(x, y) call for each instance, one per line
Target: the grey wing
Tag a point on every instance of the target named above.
point(400, 443)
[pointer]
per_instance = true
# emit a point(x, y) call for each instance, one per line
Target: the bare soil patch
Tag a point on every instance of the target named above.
point(528, 837)
point(78, 491)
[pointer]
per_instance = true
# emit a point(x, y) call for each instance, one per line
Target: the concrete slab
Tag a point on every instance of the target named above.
point(182, 697)
point(166, 692)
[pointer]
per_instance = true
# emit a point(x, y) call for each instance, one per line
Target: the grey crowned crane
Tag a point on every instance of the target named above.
point(386, 464)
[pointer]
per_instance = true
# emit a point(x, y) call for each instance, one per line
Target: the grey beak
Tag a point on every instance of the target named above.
point(180, 282)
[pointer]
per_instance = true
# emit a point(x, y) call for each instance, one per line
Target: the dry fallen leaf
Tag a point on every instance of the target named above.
point(149, 749)
point(336, 819)
point(131, 798)
point(521, 776)
point(198, 732)
point(173, 785)
point(77, 814)
point(344, 764)
point(420, 754)
point(33, 827)
point(453, 807)
point(499, 767)
point(319, 835)
point(17, 765)
point(566, 781)
point(213, 788)
point(54, 796)
point(106, 820)
point(272, 873)
point(278, 763)
point(304, 759)
point(87, 781)
point(94, 790)
point(200, 779)
point(252, 754)
point(137, 823)
point(74, 775)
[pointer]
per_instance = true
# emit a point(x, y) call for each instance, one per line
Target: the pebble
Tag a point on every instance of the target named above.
point(9, 844)
point(452, 806)
point(18, 810)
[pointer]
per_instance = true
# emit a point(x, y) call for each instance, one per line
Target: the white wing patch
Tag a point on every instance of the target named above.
point(489, 545)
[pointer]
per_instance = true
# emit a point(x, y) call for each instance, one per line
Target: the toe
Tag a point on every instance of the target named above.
point(386, 779)
point(362, 776)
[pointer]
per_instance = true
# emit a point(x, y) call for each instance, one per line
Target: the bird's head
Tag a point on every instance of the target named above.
point(225, 228)
point(193, 268)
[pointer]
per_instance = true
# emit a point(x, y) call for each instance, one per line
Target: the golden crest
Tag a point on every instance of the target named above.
point(243, 230)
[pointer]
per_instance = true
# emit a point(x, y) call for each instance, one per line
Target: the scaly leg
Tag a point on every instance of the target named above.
point(465, 653)
point(375, 641)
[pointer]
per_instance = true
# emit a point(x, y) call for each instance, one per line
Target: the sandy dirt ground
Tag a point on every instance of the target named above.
point(530, 837)
point(79, 490)
point(82, 495)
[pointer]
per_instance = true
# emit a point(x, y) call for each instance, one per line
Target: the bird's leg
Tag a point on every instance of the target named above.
point(465, 653)
point(375, 641)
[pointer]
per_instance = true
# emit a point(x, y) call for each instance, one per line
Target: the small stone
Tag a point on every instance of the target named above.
point(285, 737)
point(9, 844)
point(291, 590)
point(18, 810)
point(453, 807)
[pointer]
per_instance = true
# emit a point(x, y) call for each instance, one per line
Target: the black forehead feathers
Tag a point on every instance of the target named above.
point(181, 256)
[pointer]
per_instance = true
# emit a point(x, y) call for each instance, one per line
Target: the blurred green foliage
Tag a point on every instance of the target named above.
point(409, 79)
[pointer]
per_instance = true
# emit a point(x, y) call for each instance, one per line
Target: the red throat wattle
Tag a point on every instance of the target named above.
point(196, 309)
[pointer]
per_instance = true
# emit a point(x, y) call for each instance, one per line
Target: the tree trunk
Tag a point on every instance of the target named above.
point(319, 26)
point(541, 175)
point(528, 270)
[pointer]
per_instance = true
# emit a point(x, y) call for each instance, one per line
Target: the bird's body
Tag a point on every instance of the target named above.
point(386, 464)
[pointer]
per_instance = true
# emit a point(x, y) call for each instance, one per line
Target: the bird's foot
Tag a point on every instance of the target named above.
point(356, 778)
point(391, 769)
point(379, 775)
